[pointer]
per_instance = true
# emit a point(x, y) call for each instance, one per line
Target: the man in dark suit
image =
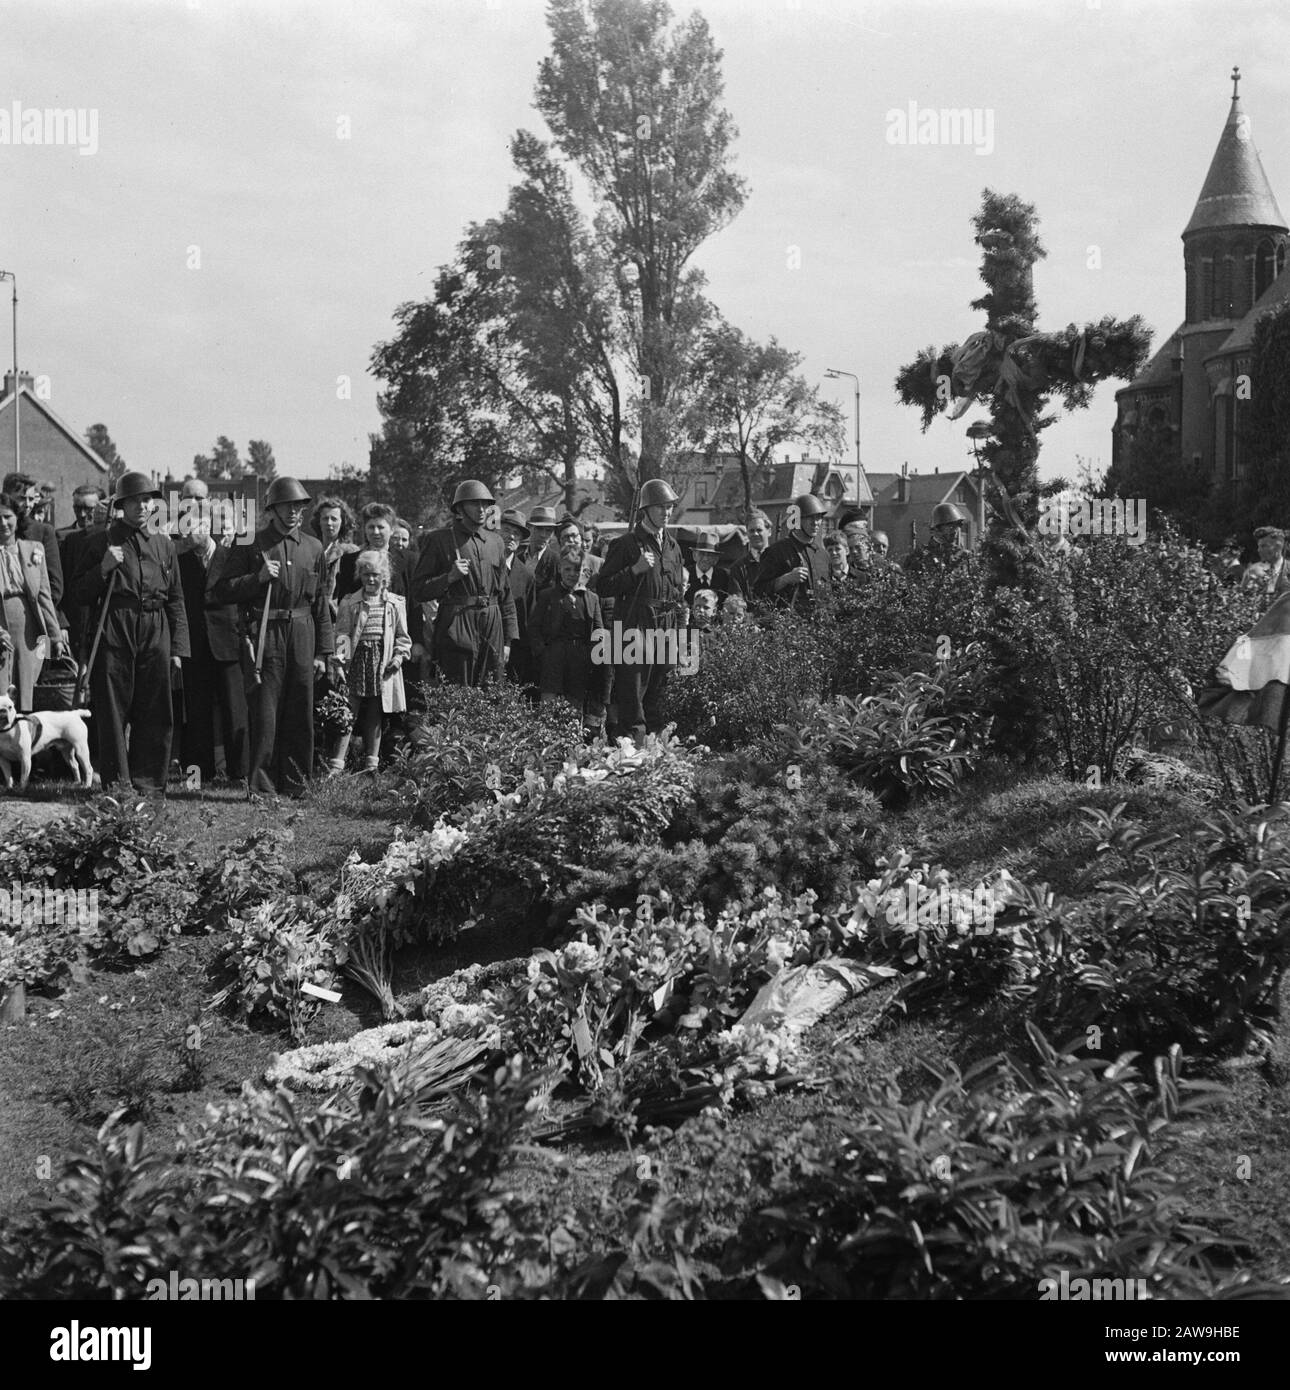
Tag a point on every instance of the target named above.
point(90, 515)
point(706, 573)
point(743, 572)
point(520, 667)
point(213, 679)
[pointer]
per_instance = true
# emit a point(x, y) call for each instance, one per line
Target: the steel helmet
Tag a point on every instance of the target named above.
point(471, 490)
point(808, 504)
point(657, 492)
point(949, 514)
point(285, 490)
point(134, 485)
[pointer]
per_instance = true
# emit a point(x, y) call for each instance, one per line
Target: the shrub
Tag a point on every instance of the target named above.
point(362, 1198)
point(474, 745)
point(1005, 1176)
point(748, 679)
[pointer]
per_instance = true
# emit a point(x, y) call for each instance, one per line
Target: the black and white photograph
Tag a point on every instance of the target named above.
point(645, 656)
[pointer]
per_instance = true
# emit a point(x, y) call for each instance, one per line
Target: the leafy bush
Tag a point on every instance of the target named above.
point(749, 678)
point(246, 873)
point(1115, 638)
point(277, 948)
point(473, 745)
point(749, 825)
point(897, 741)
point(1005, 1176)
point(362, 1198)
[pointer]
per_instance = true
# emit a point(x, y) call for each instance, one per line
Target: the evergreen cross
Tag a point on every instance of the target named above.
point(1011, 366)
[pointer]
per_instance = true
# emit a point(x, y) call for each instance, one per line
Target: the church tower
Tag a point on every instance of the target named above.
point(1185, 403)
point(1234, 247)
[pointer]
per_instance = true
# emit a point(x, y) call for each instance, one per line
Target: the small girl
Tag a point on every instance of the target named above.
point(372, 643)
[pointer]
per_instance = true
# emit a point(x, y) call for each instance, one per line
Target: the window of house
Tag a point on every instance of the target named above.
point(701, 493)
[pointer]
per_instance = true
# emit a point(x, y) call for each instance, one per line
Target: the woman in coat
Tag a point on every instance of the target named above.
point(29, 615)
point(372, 643)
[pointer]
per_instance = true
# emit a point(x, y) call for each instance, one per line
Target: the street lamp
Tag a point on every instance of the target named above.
point(977, 431)
point(17, 398)
point(832, 373)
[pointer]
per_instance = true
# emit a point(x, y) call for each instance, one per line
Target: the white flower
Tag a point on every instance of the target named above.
point(578, 958)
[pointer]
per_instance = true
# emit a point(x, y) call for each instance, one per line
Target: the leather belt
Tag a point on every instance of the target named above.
point(135, 604)
point(470, 602)
point(282, 614)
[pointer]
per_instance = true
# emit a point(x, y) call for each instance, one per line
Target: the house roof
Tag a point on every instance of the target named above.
point(925, 489)
point(59, 424)
point(1160, 371)
point(1241, 338)
point(525, 499)
point(1236, 192)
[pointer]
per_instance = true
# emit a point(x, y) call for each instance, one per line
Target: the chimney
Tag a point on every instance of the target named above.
point(902, 484)
point(25, 379)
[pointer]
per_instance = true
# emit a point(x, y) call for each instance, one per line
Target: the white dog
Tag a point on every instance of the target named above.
point(22, 736)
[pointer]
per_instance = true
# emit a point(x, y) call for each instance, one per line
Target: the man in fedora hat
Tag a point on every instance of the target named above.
point(287, 569)
point(707, 573)
point(463, 568)
point(145, 636)
point(520, 666)
point(542, 523)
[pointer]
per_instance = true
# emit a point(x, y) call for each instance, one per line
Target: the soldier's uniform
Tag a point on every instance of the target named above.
point(783, 557)
point(653, 600)
point(146, 624)
point(476, 618)
point(281, 707)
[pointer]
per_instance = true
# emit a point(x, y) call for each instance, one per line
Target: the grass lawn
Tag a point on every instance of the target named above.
point(121, 1038)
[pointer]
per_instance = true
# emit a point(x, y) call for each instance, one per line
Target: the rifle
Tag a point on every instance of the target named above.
point(263, 633)
point(83, 679)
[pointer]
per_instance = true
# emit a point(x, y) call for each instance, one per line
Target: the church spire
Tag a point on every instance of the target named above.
point(1236, 191)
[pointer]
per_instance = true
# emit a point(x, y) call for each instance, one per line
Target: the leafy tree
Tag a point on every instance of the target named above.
point(756, 400)
point(259, 454)
point(1009, 364)
point(98, 438)
point(1265, 440)
point(635, 104)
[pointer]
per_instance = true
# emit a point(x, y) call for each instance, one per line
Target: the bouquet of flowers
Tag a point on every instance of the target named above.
point(332, 714)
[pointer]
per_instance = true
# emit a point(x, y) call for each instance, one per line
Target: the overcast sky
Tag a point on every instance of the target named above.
point(218, 128)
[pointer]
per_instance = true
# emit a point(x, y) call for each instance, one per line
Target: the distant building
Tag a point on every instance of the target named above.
point(50, 449)
point(904, 501)
point(1187, 403)
point(589, 490)
point(714, 492)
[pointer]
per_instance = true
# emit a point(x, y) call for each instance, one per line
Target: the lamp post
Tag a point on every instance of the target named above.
point(17, 398)
point(977, 431)
point(833, 372)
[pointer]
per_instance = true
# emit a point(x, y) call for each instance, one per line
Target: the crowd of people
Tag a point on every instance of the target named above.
point(211, 650)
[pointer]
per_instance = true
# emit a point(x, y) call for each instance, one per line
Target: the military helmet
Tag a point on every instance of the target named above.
point(134, 485)
point(808, 504)
point(657, 492)
point(471, 490)
point(285, 490)
point(949, 514)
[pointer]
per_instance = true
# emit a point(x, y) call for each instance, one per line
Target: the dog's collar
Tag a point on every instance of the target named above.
point(17, 719)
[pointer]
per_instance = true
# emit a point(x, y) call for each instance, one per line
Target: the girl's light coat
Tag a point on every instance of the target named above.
point(396, 642)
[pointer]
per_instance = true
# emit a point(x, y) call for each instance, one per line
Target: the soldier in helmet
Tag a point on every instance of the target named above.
point(291, 569)
point(145, 636)
point(795, 571)
point(945, 550)
point(644, 576)
point(463, 568)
